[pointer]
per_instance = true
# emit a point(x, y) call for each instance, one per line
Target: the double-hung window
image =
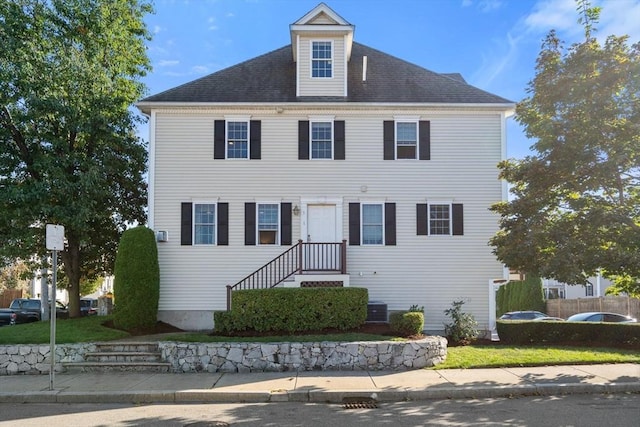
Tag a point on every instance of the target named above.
point(237, 140)
point(321, 55)
point(268, 223)
point(372, 224)
point(406, 140)
point(440, 219)
point(204, 223)
point(321, 140)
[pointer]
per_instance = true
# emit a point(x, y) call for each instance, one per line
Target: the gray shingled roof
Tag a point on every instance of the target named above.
point(271, 78)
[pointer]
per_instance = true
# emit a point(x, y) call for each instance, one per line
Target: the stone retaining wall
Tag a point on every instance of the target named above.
point(248, 357)
point(34, 359)
point(321, 356)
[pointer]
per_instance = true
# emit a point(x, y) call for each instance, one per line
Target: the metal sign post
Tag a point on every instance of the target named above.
point(55, 243)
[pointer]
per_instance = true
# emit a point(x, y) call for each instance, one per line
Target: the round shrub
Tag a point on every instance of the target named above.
point(136, 284)
point(406, 323)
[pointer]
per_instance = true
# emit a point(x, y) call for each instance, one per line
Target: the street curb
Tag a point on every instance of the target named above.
point(315, 396)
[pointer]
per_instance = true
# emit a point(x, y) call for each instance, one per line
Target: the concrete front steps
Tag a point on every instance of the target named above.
point(127, 356)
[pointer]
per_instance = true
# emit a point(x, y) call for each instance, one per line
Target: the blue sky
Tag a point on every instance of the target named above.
point(492, 43)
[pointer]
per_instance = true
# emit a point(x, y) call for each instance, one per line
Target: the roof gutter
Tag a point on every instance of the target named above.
point(146, 107)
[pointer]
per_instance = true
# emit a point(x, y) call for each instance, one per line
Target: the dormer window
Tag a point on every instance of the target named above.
point(321, 56)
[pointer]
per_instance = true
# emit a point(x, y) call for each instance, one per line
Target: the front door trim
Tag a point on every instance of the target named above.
point(306, 201)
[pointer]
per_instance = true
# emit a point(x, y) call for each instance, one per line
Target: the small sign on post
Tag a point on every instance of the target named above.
point(55, 243)
point(55, 237)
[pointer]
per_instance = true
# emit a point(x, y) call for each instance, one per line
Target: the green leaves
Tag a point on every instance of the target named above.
point(576, 205)
point(69, 72)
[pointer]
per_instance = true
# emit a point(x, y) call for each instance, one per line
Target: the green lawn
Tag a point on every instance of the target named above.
point(85, 329)
point(502, 356)
point(90, 329)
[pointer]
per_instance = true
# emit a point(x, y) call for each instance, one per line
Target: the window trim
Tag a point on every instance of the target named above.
point(242, 119)
point(415, 120)
point(330, 60)
point(278, 230)
point(193, 222)
point(322, 119)
point(441, 203)
point(362, 224)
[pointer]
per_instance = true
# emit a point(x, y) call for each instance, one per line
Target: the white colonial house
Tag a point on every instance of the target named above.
point(326, 162)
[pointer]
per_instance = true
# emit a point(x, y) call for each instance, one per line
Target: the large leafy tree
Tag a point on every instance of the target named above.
point(69, 72)
point(576, 204)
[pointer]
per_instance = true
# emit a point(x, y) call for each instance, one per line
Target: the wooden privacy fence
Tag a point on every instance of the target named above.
point(621, 305)
point(9, 295)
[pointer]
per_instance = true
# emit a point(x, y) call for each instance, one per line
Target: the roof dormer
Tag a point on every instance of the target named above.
point(321, 42)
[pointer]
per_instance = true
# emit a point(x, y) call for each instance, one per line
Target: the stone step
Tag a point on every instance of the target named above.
point(126, 346)
point(123, 356)
point(117, 366)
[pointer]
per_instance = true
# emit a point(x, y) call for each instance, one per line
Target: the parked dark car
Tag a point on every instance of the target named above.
point(88, 306)
point(523, 315)
point(30, 310)
point(7, 317)
point(26, 309)
point(599, 316)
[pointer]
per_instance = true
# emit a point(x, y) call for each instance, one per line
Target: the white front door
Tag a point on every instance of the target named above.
point(321, 228)
point(321, 224)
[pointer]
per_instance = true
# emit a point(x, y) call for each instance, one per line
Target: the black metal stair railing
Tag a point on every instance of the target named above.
point(298, 259)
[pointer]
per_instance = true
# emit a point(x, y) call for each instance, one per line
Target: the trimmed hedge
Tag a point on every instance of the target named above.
point(293, 310)
point(547, 332)
point(136, 284)
point(406, 323)
point(521, 295)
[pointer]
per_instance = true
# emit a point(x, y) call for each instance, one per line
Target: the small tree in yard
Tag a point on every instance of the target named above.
point(463, 329)
point(136, 284)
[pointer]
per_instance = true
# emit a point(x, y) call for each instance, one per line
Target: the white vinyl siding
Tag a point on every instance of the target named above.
point(313, 86)
point(465, 147)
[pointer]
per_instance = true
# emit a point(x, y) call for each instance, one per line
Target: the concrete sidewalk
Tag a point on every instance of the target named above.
point(327, 386)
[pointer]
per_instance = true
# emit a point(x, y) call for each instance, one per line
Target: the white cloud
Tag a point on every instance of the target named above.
point(199, 69)
point(616, 18)
point(560, 15)
point(493, 67)
point(168, 63)
point(484, 5)
point(619, 18)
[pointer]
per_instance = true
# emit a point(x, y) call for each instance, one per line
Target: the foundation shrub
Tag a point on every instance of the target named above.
point(294, 310)
point(406, 323)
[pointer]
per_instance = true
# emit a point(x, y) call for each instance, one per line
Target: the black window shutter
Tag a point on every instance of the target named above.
point(223, 224)
point(285, 224)
point(338, 140)
point(389, 136)
point(390, 224)
point(422, 228)
point(219, 150)
point(425, 139)
point(255, 139)
point(185, 224)
point(458, 219)
point(250, 224)
point(354, 224)
point(303, 140)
